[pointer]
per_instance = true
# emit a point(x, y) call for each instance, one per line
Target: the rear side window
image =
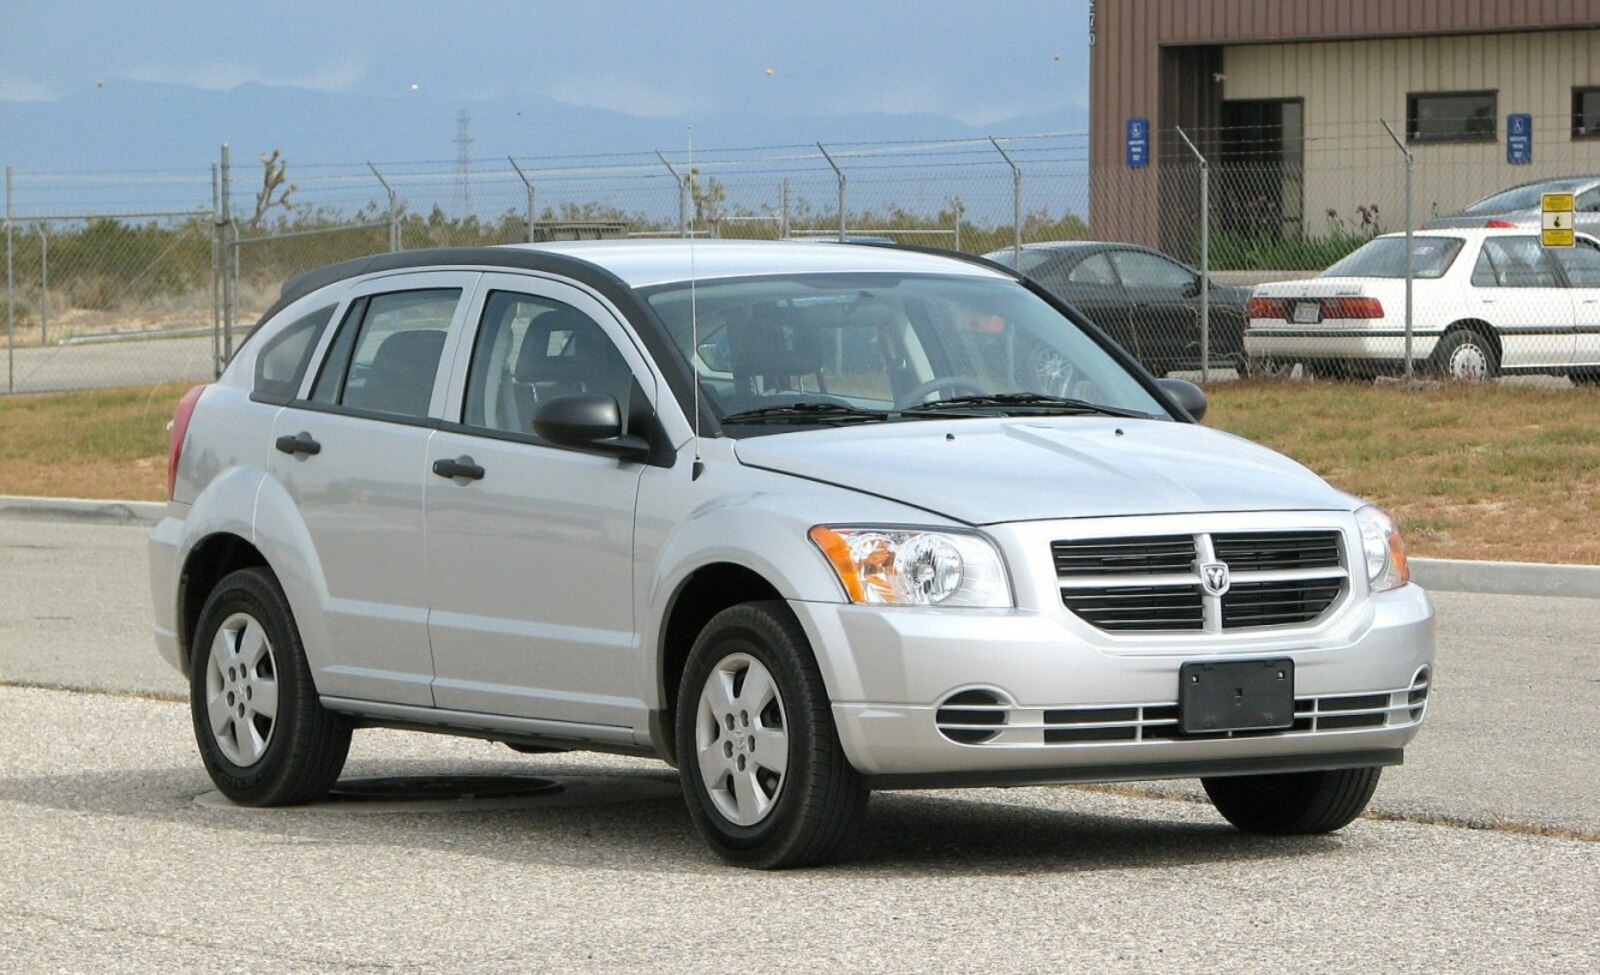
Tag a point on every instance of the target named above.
point(1514, 262)
point(283, 360)
point(387, 352)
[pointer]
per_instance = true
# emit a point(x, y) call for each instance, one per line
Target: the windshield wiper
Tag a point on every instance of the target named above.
point(804, 412)
point(1012, 404)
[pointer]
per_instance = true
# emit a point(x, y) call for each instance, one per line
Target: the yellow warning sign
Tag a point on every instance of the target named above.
point(1557, 220)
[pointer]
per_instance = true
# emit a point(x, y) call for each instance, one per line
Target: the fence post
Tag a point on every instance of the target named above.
point(683, 195)
point(216, 272)
point(1205, 256)
point(528, 185)
point(1016, 204)
point(1410, 270)
point(840, 173)
point(44, 284)
point(230, 253)
point(394, 214)
point(783, 209)
point(11, 298)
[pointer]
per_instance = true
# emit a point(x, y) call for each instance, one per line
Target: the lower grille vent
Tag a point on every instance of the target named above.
point(971, 717)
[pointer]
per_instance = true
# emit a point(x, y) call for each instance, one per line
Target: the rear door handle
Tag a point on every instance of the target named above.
point(300, 443)
point(460, 467)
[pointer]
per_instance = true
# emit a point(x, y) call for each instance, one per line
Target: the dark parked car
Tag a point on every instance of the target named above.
point(1147, 301)
point(1520, 206)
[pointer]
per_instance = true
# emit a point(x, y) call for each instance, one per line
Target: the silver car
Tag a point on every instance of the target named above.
point(1521, 206)
point(803, 521)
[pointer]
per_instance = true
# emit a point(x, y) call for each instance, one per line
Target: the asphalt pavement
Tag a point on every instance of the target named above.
point(51, 368)
point(119, 858)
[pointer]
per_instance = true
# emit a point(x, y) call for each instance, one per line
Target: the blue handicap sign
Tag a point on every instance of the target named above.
point(1138, 143)
point(1519, 139)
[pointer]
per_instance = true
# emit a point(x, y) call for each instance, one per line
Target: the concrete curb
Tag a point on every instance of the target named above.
point(1507, 578)
point(1447, 575)
point(83, 509)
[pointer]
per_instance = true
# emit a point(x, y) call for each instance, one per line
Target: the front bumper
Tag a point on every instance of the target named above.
point(890, 671)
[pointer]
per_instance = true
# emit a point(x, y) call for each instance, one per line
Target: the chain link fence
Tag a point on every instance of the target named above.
point(116, 279)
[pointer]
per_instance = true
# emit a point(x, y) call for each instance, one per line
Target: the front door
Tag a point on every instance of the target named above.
point(1581, 265)
point(530, 565)
point(1517, 288)
point(1163, 295)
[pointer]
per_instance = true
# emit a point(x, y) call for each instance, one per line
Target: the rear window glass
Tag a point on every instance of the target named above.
point(282, 362)
point(1385, 257)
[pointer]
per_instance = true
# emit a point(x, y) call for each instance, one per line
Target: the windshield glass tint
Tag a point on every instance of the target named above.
point(886, 342)
point(1385, 257)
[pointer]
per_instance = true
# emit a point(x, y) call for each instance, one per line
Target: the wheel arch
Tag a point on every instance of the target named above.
point(209, 561)
point(1483, 328)
point(702, 594)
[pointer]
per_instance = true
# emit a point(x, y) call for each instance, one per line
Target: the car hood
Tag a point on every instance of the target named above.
point(984, 471)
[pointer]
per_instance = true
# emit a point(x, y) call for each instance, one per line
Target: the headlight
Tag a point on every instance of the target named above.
point(912, 567)
point(1385, 553)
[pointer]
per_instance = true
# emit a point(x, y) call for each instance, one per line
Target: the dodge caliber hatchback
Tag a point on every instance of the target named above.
point(802, 521)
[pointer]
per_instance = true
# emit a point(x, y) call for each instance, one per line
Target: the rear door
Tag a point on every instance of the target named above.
point(352, 455)
point(1517, 288)
point(530, 565)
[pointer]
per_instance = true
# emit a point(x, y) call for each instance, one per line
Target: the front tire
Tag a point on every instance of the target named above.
point(1294, 803)
point(764, 776)
point(264, 737)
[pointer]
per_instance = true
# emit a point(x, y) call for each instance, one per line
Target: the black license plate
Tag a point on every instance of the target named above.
point(1246, 695)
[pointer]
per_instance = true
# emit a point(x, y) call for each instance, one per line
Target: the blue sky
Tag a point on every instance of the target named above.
point(978, 62)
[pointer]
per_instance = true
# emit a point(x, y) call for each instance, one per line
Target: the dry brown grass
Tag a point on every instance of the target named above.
point(1477, 472)
point(1492, 472)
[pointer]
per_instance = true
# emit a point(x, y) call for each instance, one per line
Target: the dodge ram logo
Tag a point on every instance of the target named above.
point(1214, 576)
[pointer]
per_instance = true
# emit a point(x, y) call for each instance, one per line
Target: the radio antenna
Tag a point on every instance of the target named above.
point(698, 467)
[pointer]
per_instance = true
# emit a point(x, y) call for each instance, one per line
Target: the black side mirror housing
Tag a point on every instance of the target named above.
point(590, 422)
point(1189, 396)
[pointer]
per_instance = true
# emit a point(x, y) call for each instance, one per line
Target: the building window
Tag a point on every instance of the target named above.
point(1451, 116)
point(1586, 113)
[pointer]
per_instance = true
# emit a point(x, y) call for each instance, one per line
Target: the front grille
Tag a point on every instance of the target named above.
point(1122, 556)
point(1277, 550)
point(1278, 603)
point(1138, 607)
point(1155, 583)
point(986, 718)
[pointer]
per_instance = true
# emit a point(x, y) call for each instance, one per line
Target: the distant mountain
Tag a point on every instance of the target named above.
point(147, 126)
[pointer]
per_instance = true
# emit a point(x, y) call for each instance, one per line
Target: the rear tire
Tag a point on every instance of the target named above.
point(1294, 803)
point(264, 736)
point(1466, 356)
point(765, 778)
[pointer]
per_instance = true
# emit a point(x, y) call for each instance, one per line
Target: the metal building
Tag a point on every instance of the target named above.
point(1289, 94)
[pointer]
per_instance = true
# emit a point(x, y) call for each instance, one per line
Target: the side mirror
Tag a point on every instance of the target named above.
point(1189, 396)
point(589, 422)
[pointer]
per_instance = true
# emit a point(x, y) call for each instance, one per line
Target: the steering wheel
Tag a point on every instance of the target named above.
point(939, 384)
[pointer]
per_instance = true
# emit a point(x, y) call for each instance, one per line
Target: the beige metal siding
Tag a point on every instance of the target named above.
point(1347, 86)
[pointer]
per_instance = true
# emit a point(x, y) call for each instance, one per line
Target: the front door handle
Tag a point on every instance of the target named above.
point(460, 467)
point(300, 443)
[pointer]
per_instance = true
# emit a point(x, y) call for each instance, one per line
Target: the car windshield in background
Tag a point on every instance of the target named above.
point(885, 343)
point(1385, 257)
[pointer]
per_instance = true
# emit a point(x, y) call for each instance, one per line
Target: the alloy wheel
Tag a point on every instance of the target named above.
point(241, 689)
point(742, 739)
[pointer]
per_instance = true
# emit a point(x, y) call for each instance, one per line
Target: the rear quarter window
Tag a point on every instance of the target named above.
point(281, 364)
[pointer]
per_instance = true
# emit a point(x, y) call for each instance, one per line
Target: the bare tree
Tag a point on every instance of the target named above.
point(274, 192)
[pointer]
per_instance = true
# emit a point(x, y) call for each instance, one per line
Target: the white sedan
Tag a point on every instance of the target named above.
point(1484, 302)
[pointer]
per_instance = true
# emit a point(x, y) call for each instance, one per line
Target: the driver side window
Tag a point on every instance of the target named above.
point(530, 349)
point(1140, 270)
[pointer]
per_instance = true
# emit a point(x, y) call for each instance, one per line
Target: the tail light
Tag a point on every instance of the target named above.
point(1501, 225)
point(1275, 308)
point(180, 430)
point(1352, 308)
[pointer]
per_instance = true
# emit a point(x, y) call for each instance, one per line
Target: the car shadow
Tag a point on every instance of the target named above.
point(633, 819)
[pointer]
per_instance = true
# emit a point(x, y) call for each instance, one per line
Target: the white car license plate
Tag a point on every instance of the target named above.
point(1307, 312)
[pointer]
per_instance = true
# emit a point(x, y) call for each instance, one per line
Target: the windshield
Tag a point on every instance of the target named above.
point(878, 343)
point(1385, 257)
point(1520, 198)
